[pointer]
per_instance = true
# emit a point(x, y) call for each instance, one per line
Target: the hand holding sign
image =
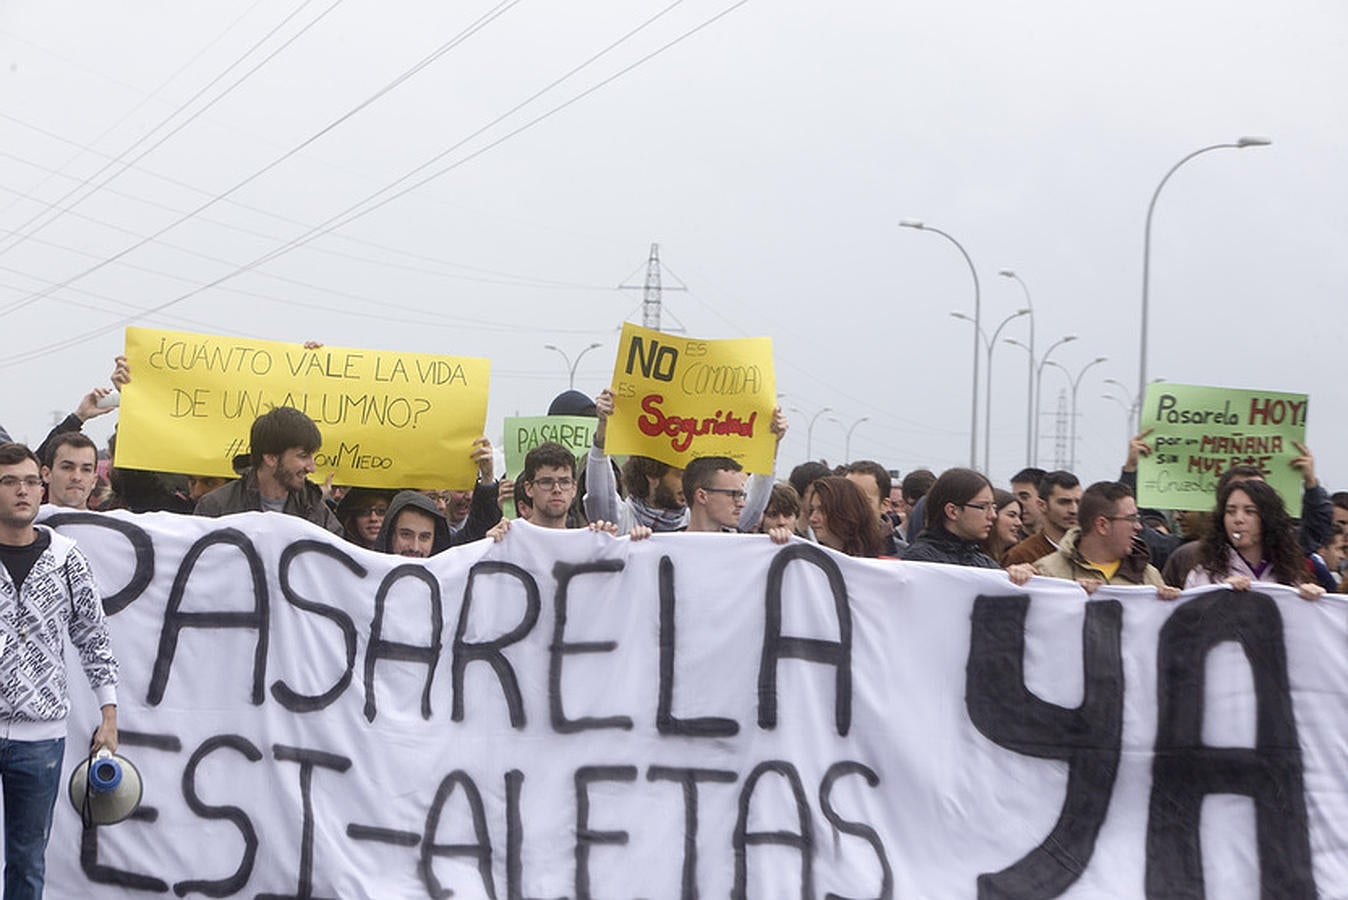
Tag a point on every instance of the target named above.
point(677, 398)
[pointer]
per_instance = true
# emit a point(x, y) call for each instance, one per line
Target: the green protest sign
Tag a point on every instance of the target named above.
point(524, 433)
point(1200, 432)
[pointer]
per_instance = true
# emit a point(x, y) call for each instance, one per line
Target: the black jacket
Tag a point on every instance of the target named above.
point(940, 546)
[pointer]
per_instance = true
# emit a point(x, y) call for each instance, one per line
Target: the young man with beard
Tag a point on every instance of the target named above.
point(46, 593)
point(549, 482)
point(71, 473)
point(655, 495)
point(282, 444)
point(1059, 498)
point(414, 527)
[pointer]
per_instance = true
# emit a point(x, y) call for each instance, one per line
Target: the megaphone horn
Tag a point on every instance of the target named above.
point(105, 789)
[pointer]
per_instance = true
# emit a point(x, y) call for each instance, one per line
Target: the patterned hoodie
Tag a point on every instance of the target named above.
point(59, 596)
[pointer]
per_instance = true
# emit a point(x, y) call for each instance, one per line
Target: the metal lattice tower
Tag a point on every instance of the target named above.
point(1061, 426)
point(652, 292)
point(650, 297)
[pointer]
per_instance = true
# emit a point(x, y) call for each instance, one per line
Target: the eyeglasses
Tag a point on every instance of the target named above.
point(548, 484)
point(32, 482)
point(1134, 518)
point(732, 493)
point(372, 511)
point(981, 507)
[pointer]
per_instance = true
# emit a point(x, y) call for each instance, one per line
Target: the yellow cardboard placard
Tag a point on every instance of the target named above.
point(678, 398)
point(388, 419)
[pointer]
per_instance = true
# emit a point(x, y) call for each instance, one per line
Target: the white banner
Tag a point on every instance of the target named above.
point(569, 715)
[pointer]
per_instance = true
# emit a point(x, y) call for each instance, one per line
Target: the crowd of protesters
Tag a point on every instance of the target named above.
point(1044, 523)
point(1041, 522)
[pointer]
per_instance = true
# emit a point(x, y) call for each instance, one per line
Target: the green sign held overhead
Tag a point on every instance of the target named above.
point(524, 433)
point(1198, 433)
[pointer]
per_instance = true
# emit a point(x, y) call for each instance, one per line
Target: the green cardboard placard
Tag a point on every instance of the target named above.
point(524, 433)
point(1200, 432)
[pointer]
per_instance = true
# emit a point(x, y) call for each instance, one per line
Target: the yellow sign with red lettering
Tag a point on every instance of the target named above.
point(388, 419)
point(677, 398)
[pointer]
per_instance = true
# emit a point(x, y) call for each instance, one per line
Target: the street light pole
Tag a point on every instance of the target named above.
point(978, 321)
point(1127, 410)
point(1134, 405)
point(1039, 384)
point(1029, 380)
point(572, 366)
point(987, 394)
point(809, 432)
point(1076, 383)
point(1239, 144)
point(847, 444)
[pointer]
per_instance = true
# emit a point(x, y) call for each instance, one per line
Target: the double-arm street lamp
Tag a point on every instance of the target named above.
point(1076, 383)
point(1029, 381)
point(809, 430)
point(978, 321)
point(847, 445)
point(1239, 144)
point(570, 365)
point(1039, 385)
point(987, 393)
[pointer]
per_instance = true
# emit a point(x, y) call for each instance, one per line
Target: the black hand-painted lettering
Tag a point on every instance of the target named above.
point(689, 779)
point(560, 649)
point(141, 546)
point(801, 841)
point(222, 887)
point(514, 779)
point(481, 850)
point(1185, 770)
point(308, 760)
point(379, 648)
point(777, 647)
point(490, 651)
point(95, 871)
point(1088, 738)
point(392, 836)
point(587, 837)
point(284, 694)
point(665, 720)
point(856, 829)
point(175, 620)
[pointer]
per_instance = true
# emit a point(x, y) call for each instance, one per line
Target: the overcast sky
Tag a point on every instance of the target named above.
point(771, 154)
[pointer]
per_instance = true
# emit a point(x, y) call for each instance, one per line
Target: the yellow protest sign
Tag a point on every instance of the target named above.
point(388, 419)
point(678, 398)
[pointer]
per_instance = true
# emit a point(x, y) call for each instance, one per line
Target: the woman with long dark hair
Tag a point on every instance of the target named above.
point(842, 519)
point(1251, 538)
point(961, 510)
point(1005, 532)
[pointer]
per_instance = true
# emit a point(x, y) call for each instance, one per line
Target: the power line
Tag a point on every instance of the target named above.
point(147, 96)
point(472, 29)
point(513, 279)
point(169, 118)
point(342, 219)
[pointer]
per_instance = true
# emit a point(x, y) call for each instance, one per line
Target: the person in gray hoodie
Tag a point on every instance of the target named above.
point(414, 526)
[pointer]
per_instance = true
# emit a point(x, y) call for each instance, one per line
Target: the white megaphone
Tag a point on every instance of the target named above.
point(105, 789)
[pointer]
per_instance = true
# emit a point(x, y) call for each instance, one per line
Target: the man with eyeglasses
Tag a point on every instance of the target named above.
point(46, 592)
point(1106, 548)
point(713, 487)
point(548, 481)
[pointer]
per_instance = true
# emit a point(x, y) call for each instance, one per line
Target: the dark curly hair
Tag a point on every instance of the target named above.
point(1278, 534)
